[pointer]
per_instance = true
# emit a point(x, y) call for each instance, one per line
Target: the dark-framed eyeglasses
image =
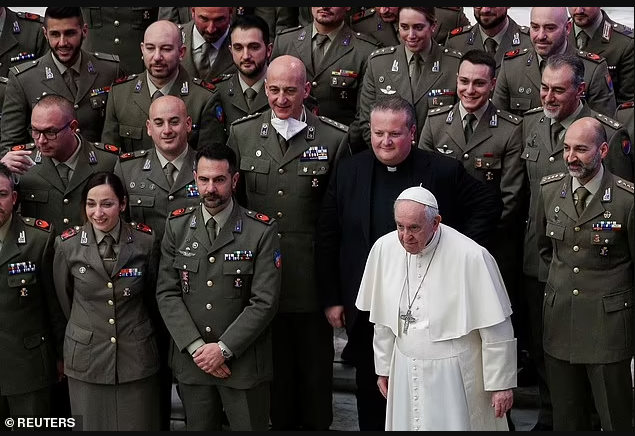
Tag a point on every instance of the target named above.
point(49, 134)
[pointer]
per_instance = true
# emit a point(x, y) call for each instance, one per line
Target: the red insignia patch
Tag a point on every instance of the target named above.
point(43, 225)
point(111, 147)
point(68, 233)
point(512, 53)
point(144, 228)
point(31, 16)
point(178, 212)
point(627, 104)
point(208, 85)
point(262, 217)
point(126, 155)
point(18, 147)
point(593, 56)
point(456, 31)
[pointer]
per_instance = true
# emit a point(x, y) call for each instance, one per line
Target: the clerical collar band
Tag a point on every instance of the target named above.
point(420, 195)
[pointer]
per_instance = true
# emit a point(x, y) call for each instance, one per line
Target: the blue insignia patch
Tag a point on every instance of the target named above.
point(277, 259)
point(220, 114)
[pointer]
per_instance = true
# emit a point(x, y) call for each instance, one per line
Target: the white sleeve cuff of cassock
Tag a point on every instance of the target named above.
point(383, 344)
point(499, 365)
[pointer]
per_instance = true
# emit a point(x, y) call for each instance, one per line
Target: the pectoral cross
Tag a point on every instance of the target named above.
point(407, 318)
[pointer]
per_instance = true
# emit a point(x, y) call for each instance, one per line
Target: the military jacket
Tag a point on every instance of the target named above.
point(588, 302)
point(290, 188)
point(624, 114)
point(31, 321)
point(542, 158)
point(448, 19)
point(130, 100)
point(31, 80)
point(463, 39)
point(518, 82)
point(110, 336)
point(224, 290)
point(42, 193)
point(223, 64)
point(336, 82)
point(151, 199)
point(233, 100)
point(614, 42)
point(370, 23)
point(22, 39)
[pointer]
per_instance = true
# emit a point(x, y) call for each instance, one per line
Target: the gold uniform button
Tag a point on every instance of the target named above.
point(110, 302)
point(208, 306)
point(109, 285)
point(576, 292)
point(66, 220)
point(113, 340)
point(576, 229)
point(208, 329)
point(279, 214)
point(576, 270)
point(212, 259)
point(210, 283)
point(111, 321)
point(66, 201)
point(576, 248)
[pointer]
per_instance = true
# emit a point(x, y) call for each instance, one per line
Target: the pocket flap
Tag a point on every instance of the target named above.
point(620, 301)
point(520, 104)
point(99, 101)
point(133, 132)
point(238, 267)
point(602, 238)
point(141, 201)
point(186, 263)
point(254, 165)
point(22, 279)
point(33, 341)
point(312, 168)
point(340, 81)
point(555, 231)
point(531, 154)
point(39, 196)
point(78, 334)
point(143, 330)
point(487, 162)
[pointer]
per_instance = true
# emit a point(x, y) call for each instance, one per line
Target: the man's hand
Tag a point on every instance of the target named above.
point(18, 161)
point(335, 316)
point(382, 384)
point(210, 359)
point(502, 401)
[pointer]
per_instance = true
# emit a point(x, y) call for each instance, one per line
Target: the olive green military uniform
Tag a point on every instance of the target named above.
point(370, 23)
point(151, 199)
point(447, 20)
point(337, 81)
point(31, 80)
point(463, 39)
point(178, 15)
point(223, 64)
point(3, 90)
point(119, 31)
point(290, 187)
point(588, 300)
point(42, 193)
point(129, 104)
point(31, 320)
point(22, 39)
point(110, 348)
point(226, 290)
point(233, 99)
point(518, 82)
point(624, 114)
point(614, 42)
point(387, 74)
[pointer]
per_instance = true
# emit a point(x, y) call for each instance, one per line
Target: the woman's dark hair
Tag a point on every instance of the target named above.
point(103, 178)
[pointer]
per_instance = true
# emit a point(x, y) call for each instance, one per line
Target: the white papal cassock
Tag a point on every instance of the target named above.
point(461, 345)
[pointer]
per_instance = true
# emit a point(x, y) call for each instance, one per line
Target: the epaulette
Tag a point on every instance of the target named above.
point(203, 84)
point(623, 29)
point(590, 56)
point(452, 52)
point(4, 79)
point(110, 148)
point(247, 117)
point(19, 69)
point(608, 121)
point(440, 110)
point(37, 223)
point(29, 146)
point(513, 53)
point(552, 178)
point(626, 185)
point(367, 38)
point(533, 111)
point(514, 119)
point(342, 127)
point(132, 155)
point(459, 31)
point(180, 212)
point(107, 57)
point(221, 78)
point(383, 51)
point(362, 14)
point(69, 233)
point(626, 105)
point(30, 16)
point(121, 80)
point(524, 29)
point(289, 30)
point(142, 227)
point(260, 217)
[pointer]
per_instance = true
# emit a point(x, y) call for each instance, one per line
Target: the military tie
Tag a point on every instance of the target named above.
point(63, 170)
point(211, 229)
point(415, 69)
point(490, 46)
point(582, 40)
point(156, 95)
point(542, 65)
point(284, 146)
point(556, 128)
point(250, 96)
point(108, 257)
point(204, 63)
point(580, 204)
point(169, 171)
point(469, 128)
point(318, 52)
point(69, 77)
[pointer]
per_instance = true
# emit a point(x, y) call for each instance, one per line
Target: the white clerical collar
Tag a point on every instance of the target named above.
point(429, 248)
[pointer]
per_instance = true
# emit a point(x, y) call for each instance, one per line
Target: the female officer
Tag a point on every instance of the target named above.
point(104, 278)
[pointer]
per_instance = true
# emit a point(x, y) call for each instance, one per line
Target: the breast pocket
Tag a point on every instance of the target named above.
point(188, 269)
point(312, 178)
point(520, 103)
point(35, 196)
point(447, 98)
point(22, 280)
point(237, 275)
point(256, 173)
point(490, 169)
point(344, 87)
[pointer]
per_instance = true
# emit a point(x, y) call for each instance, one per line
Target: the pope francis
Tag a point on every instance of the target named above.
point(445, 352)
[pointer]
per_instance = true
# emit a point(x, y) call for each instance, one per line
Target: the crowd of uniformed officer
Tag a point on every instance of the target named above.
point(109, 62)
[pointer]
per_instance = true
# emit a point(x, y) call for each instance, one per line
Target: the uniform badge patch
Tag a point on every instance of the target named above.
point(68, 233)
point(277, 259)
point(42, 225)
point(144, 228)
point(626, 146)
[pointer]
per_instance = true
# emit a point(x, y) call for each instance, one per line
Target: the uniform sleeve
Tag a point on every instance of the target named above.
point(110, 132)
point(499, 350)
point(212, 129)
point(501, 91)
point(62, 278)
point(599, 94)
point(545, 247)
point(56, 315)
point(513, 175)
point(15, 116)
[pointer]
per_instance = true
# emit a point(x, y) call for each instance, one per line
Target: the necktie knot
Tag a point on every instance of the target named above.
point(70, 77)
point(63, 170)
point(415, 69)
point(211, 229)
point(108, 255)
point(250, 95)
point(156, 95)
point(581, 194)
point(469, 126)
point(582, 40)
point(556, 129)
point(490, 46)
point(169, 170)
point(320, 39)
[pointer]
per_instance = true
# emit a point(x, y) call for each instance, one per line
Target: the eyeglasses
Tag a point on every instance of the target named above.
point(48, 134)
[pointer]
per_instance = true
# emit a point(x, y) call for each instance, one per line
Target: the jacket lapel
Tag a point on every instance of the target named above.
point(10, 247)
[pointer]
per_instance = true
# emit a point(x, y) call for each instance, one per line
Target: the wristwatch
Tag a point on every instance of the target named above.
point(226, 354)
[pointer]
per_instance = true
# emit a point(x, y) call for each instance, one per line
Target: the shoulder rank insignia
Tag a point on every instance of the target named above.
point(106, 56)
point(69, 233)
point(290, 29)
point(590, 56)
point(132, 155)
point(608, 121)
point(221, 78)
point(626, 105)
point(362, 14)
point(107, 147)
point(260, 217)
point(30, 16)
point(533, 110)
point(627, 186)
point(4, 79)
point(440, 110)
point(383, 51)
point(552, 178)
point(247, 117)
point(459, 30)
point(21, 68)
point(202, 83)
point(143, 228)
point(509, 117)
point(334, 123)
point(125, 79)
point(40, 224)
point(181, 211)
point(29, 146)
point(513, 53)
